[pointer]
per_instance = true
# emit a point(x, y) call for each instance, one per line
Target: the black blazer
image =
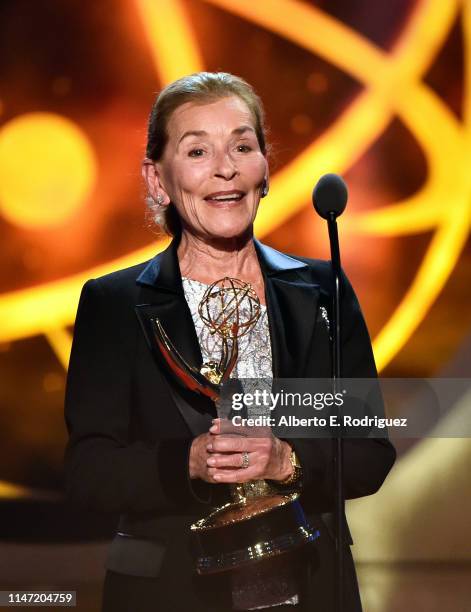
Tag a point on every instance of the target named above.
point(131, 426)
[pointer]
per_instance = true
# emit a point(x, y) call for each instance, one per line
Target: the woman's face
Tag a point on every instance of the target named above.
point(212, 168)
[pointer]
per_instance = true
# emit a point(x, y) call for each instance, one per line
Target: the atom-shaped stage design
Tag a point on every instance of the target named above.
point(392, 87)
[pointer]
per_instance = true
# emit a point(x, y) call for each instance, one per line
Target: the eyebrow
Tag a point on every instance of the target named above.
point(238, 130)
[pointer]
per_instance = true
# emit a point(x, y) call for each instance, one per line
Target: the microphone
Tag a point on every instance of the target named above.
point(330, 196)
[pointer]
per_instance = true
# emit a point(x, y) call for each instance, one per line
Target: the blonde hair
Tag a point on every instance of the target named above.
point(200, 88)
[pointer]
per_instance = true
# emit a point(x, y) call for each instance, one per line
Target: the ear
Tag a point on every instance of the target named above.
point(151, 176)
point(266, 180)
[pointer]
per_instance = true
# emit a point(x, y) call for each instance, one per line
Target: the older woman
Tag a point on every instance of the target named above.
point(145, 447)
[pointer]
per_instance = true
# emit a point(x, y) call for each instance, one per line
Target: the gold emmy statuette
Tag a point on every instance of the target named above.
point(260, 522)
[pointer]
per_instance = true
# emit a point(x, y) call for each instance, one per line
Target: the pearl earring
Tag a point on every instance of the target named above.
point(264, 191)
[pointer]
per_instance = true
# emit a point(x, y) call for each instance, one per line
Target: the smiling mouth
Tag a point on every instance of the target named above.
point(230, 197)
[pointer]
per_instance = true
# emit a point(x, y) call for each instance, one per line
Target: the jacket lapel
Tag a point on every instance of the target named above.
point(162, 281)
point(162, 296)
point(292, 300)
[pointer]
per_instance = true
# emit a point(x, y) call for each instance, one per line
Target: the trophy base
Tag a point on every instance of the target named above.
point(245, 532)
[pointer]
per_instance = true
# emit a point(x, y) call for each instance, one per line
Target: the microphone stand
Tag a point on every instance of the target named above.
point(339, 496)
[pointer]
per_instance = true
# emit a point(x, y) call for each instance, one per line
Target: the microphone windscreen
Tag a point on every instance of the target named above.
point(330, 195)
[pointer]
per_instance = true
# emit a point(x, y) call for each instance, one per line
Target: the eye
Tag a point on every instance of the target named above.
point(244, 148)
point(195, 153)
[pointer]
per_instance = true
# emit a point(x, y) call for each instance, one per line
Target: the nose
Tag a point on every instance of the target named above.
point(225, 167)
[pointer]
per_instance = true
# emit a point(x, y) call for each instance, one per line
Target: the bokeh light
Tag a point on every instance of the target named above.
point(47, 170)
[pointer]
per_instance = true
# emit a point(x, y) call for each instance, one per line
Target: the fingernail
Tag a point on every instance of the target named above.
point(209, 447)
point(213, 428)
point(211, 461)
point(217, 477)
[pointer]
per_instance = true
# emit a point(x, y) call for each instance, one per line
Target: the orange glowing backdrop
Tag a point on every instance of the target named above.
point(376, 91)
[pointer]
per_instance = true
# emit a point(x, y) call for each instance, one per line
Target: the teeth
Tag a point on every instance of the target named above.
point(231, 196)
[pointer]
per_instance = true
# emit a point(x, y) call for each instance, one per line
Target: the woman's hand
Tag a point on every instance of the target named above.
point(268, 456)
point(199, 455)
